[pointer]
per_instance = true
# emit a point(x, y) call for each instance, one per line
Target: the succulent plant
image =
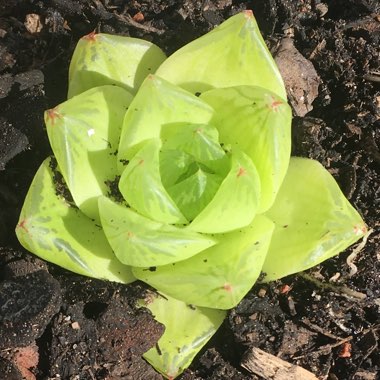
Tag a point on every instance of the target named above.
point(177, 172)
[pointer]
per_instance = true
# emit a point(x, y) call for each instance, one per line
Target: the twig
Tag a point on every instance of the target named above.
point(326, 348)
point(322, 331)
point(343, 290)
point(271, 367)
point(355, 252)
point(373, 76)
point(130, 21)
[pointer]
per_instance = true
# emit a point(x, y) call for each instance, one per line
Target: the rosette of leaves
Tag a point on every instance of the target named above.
point(177, 172)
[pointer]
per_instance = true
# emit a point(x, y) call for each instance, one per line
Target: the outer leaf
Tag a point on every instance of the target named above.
point(156, 104)
point(141, 242)
point(187, 330)
point(101, 59)
point(84, 135)
point(142, 187)
point(55, 231)
point(257, 122)
point(314, 221)
point(220, 276)
point(232, 54)
point(236, 201)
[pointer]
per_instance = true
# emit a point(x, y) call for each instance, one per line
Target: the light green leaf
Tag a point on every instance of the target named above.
point(174, 164)
point(158, 103)
point(195, 192)
point(220, 276)
point(257, 122)
point(84, 135)
point(57, 232)
point(187, 330)
point(235, 203)
point(142, 188)
point(199, 140)
point(104, 59)
point(187, 164)
point(232, 54)
point(141, 242)
point(314, 221)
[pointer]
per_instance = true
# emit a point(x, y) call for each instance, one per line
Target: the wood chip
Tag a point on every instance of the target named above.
point(33, 23)
point(270, 367)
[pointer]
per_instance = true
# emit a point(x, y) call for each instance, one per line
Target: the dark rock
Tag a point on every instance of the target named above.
point(126, 335)
point(27, 304)
point(6, 83)
point(8, 370)
point(12, 142)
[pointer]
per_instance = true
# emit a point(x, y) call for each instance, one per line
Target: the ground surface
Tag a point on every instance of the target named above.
point(55, 324)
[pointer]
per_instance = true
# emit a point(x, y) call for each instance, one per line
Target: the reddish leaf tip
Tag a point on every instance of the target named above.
point(248, 13)
point(360, 229)
point(241, 172)
point(197, 131)
point(228, 287)
point(90, 36)
point(52, 114)
point(275, 103)
point(22, 225)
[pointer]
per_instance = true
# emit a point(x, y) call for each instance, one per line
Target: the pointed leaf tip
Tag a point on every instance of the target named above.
point(51, 115)
point(248, 13)
point(56, 231)
point(90, 36)
point(187, 330)
point(314, 221)
point(234, 53)
point(97, 60)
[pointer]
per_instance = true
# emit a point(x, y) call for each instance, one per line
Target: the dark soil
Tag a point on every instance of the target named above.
point(55, 324)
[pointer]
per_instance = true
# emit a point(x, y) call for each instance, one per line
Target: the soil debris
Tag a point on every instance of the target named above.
point(342, 131)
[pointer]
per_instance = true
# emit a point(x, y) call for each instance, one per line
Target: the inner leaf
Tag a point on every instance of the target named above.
point(199, 140)
point(191, 165)
point(194, 193)
point(142, 187)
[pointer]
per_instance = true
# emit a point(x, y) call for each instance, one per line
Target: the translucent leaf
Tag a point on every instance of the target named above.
point(174, 164)
point(200, 141)
point(84, 135)
point(257, 122)
point(142, 188)
point(235, 203)
point(232, 54)
point(57, 232)
point(195, 192)
point(156, 104)
point(141, 242)
point(220, 276)
point(187, 330)
point(314, 221)
point(104, 59)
